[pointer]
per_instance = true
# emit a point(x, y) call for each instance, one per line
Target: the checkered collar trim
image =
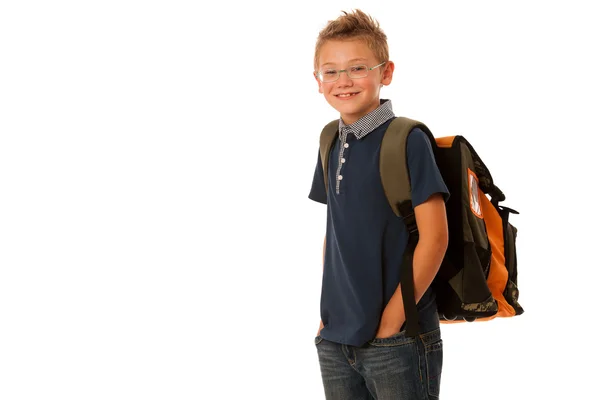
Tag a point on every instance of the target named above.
point(369, 122)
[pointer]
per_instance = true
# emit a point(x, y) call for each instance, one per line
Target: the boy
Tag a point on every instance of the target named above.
point(363, 349)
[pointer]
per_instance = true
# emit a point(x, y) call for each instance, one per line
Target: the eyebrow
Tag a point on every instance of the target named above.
point(350, 61)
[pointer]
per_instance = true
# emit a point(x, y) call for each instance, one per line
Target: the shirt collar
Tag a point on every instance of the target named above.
point(369, 122)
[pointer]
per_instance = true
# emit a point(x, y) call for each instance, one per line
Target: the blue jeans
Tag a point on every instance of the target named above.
point(394, 368)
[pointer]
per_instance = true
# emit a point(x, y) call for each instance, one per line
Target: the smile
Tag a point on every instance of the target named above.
point(346, 95)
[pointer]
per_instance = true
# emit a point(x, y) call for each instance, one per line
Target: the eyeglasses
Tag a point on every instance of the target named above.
point(354, 72)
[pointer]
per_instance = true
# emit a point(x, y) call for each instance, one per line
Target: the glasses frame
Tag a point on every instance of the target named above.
point(339, 72)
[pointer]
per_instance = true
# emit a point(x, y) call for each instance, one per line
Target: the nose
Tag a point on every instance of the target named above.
point(344, 79)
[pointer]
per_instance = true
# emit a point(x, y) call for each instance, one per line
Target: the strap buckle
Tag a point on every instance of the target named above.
point(408, 216)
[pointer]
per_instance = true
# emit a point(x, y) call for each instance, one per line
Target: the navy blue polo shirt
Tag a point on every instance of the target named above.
point(365, 240)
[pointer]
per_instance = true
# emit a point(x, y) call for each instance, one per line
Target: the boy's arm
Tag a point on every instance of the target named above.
point(317, 190)
point(324, 241)
point(319, 194)
point(427, 258)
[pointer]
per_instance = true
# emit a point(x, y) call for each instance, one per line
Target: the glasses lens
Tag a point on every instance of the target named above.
point(328, 75)
point(358, 71)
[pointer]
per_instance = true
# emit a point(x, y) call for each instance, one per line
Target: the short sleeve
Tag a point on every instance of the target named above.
point(317, 191)
point(425, 177)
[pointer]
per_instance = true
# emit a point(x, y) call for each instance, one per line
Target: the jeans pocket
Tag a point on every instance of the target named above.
point(434, 357)
point(318, 339)
point(396, 339)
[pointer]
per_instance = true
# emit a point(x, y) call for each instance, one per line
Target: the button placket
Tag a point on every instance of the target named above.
point(341, 160)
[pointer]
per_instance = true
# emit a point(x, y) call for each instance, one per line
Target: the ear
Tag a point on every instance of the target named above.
point(388, 72)
point(319, 82)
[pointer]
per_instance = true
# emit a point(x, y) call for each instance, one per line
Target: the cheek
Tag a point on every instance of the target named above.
point(326, 88)
point(374, 84)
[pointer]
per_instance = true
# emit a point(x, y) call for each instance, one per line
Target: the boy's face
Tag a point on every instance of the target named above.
point(364, 98)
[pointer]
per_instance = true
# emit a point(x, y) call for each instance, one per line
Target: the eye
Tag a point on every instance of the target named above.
point(329, 72)
point(358, 68)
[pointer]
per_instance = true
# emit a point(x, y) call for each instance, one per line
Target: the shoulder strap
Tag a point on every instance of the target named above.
point(328, 135)
point(393, 164)
point(395, 179)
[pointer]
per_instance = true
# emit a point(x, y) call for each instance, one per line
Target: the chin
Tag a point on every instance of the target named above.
point(349, 109)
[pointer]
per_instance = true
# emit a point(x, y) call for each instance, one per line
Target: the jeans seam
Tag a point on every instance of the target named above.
point(424, 373)
point(383, 344)
point(425, 347)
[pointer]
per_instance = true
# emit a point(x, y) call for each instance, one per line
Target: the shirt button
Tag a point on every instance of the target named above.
point(340, 177)
point(346, 145)
point(343, 160)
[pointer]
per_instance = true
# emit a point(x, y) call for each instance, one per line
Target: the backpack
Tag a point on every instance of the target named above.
point(477, 279)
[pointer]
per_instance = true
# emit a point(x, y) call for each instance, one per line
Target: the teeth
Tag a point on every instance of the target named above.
point(346, 95)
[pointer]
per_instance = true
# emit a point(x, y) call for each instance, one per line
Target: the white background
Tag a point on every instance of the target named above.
point(156, 239)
